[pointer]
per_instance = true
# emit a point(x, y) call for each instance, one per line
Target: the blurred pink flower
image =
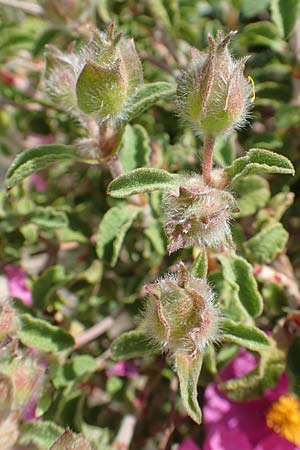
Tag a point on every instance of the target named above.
point(232, 425)
point(34, 140)
point(17, 286)
point(123, 369)
point(37, 181)
point(188, 444)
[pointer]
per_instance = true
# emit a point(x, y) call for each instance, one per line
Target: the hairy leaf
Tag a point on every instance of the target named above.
point(265, 245)
point(188, 369)
point(35, 159)
point(132, 344)
point(253, 193)
point(200, 265)
point(135, 148)
point(43, 336)
point(257, 161)
point(244, 335)
point(40, 433)
point(238, 273)
point(112, 231)
point(147, 96)
point(142, 180)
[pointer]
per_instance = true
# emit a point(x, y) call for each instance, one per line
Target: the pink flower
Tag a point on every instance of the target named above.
point(123, 369)
point(37, 181)
point(188, 444)
point(232, 425)
point(17, 286)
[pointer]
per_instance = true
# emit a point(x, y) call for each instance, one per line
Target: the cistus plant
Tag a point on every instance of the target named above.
point(157, 234)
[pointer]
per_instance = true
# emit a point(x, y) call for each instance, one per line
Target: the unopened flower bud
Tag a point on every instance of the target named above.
point(180, 313)
point(8, 319)
point(197, 214)
point(213, 94)
point(98, 80)
point(26, 376)
point(72, 441)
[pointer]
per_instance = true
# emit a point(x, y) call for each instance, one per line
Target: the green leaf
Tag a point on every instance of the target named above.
point(200, 265)
point(142, 180)
point(238, 273)
point(47, 283)
point(188, 369)
point(157, 238)
point(40, 433)
point(135, 148)
point(48, 217)
point(80, 366)
point(147, 96)
point(132, 344)
point(224, 151)
point(35, 159)
point(254, 384)
point(253, 193)
point(265, 245)
point(284, 15)
point(257, 161)
point(43, 336)
point(112, 230)
point(246, 336)
point(251, 8)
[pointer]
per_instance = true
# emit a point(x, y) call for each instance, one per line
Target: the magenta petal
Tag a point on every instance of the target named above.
point(223, 438)
point(17, 284)
point(123, 369)
point(188, 444)
point(275, 442)
point(37, 181)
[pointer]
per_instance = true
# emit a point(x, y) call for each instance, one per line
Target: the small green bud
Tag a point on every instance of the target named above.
point(71, 441)
point(197, 214)
point(213, 94)
point(98, 80)
point(180, 313)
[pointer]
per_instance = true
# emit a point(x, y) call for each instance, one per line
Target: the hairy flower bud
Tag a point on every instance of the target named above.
point(98, 80)
point(180, 313)
point(26, 377)
point(197, 214)
point(213, 94)
point(8, 319)
point(69, 440)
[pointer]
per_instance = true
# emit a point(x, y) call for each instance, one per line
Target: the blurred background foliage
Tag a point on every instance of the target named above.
point(49, 224)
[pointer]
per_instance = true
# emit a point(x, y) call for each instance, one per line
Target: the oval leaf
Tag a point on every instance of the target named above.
point(245, 335)
point(188, 370)
point(35, 159)
point(265, 245)
point(238, 272)
point(132, 344)
point(112, 230)
point(257, 161)
point(142, 180)
point(147, 96)
point(42, 335)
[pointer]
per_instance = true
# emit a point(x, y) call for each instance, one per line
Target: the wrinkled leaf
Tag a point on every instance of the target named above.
point(265, 245)
point(188, 370)
point(135, 148)
point(112, 230)
point(142, 180)
point(40, 433)
point(35, 159)
point(132, 344)
point(147, 96)
point(43, 336)
point(238, 273)
point(257, 161)
point(253, 193)
point(48, 217)
point(247, 336)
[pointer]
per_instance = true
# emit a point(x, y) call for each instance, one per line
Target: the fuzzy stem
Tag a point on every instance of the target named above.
point(94, 332)
point(208, 158)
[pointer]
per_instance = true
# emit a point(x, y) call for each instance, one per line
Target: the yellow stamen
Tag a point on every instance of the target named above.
point(283, 417)
point(250, 79)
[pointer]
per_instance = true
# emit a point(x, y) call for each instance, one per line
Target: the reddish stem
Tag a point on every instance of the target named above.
point(208, 158)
